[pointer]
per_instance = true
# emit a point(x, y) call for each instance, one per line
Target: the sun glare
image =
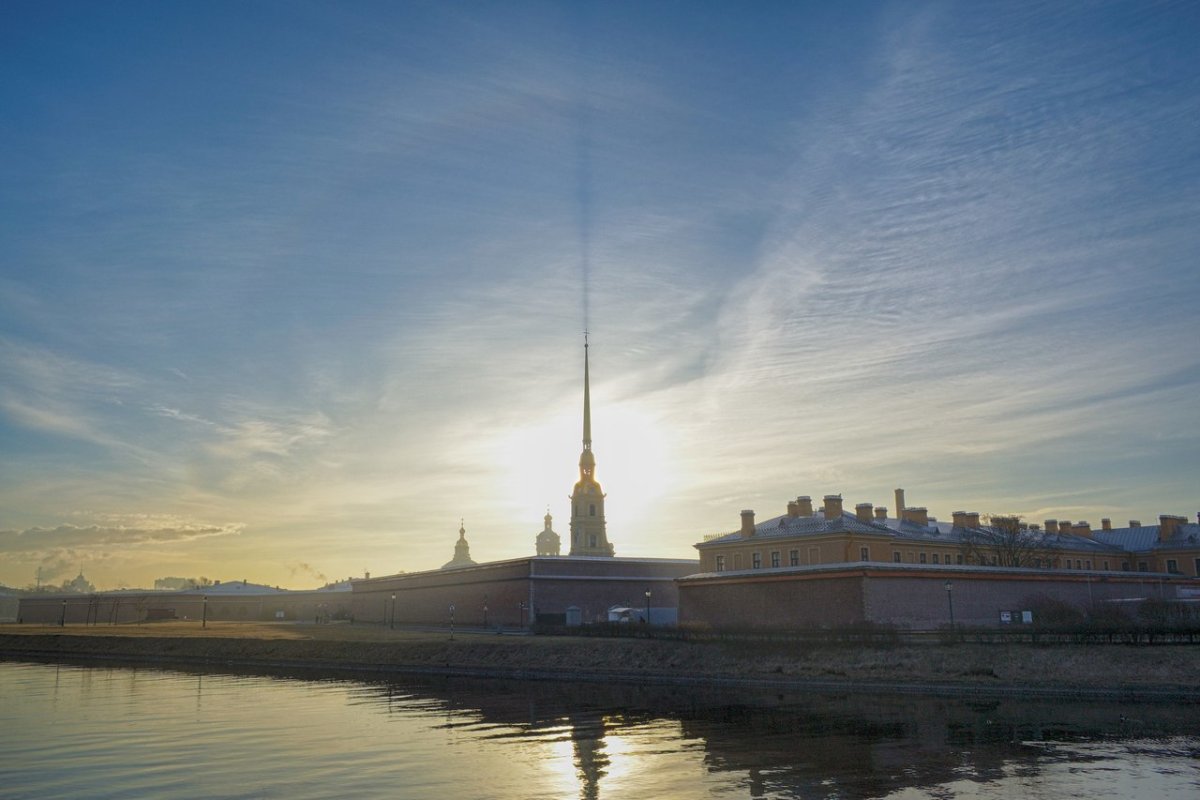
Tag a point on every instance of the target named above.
point(541, 466)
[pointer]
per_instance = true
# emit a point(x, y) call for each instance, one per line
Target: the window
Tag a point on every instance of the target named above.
point(720, 563)
point(896, 556)
point(864, 554)
point(924, 558)
point(959, 560)
point(814, 555)
point(1105, 566)
point(794, 558)
point(756, 560)
point(775, 558)
point(592, 540)
point(1143, 566)
point(737, 561)
point(1078, 564)
point(592, 510)
point(1197, 565)
point(1087, 564)
point(1124, 566)
point(1172, 565)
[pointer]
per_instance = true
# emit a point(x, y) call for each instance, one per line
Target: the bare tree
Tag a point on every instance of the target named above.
point(1005, 542)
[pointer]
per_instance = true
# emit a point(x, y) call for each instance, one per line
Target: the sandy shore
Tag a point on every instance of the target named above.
point(1167, 672)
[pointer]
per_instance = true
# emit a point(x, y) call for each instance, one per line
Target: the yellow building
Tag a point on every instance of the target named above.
point(804, 537)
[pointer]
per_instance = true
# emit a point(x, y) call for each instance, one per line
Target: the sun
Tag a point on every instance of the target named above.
point(631, 448)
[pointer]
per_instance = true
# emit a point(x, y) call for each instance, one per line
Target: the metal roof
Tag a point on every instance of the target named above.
point(787, 526)
point(1145, 538)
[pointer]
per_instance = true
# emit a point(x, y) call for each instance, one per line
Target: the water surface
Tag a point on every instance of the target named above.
point(120, 732)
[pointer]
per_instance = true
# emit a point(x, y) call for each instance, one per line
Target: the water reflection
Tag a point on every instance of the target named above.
point(278, 735)
point(847, 746)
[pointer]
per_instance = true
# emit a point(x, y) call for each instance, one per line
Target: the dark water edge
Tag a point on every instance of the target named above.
point(316, 669)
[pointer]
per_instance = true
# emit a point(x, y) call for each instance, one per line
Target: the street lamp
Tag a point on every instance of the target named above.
point(392, 623)
point(949, 587)
point(485, 612)
point(62, 621)
point(204, 613)
point(647, 606)
point(452, 622)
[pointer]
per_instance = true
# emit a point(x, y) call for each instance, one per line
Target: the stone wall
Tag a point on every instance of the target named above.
point(907, 596)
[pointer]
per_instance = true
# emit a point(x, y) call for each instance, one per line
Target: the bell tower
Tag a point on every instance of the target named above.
point(589, 535)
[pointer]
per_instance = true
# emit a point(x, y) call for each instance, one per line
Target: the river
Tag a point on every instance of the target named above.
point(70, 731)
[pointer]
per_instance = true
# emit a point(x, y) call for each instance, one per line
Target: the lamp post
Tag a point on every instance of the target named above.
point(392, 619)
point(647, 606)
point(452, 622)
point(949, 587)
point(485, 612)
point(204, 613)
point(521, 607)
point(62, 620)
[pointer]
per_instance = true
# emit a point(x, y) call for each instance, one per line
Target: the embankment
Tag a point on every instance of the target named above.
point(1160, 673)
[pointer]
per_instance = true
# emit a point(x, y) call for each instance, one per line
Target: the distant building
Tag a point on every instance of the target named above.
point(548, 542)
point(462, 551)
point(238, 601)
point(79, 584)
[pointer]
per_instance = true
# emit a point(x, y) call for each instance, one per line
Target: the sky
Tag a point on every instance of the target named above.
point(291, 290)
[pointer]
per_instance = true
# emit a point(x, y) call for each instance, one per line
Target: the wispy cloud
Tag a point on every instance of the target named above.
point(949, 248)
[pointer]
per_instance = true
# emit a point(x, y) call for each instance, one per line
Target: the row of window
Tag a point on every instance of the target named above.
point(776, 559)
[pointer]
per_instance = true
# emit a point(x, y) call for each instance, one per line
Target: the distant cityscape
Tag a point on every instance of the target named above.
point(808, 567)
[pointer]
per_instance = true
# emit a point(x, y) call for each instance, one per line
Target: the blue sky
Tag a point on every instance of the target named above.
point(289, 289)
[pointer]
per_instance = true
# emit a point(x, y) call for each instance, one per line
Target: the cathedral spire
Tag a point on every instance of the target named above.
point(588, 534)
point(587, 399)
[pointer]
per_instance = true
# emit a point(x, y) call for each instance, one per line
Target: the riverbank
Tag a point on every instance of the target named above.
point(1168, 673)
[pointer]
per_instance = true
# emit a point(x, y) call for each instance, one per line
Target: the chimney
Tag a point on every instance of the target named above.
point(747, 523)
point(1083, 528)
point(805, 503)
point(833, 506)
point(899, 504)
point(880, 514)
point(917, 514)
point(863, 512)
point(960, 519)
point(1051, 526)
point(793, 508)
point(1106, 524)
point(972, 519)
point(1168, 526)
point(1133, 523)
